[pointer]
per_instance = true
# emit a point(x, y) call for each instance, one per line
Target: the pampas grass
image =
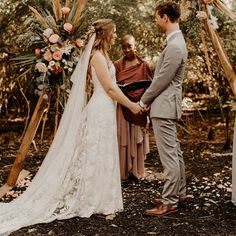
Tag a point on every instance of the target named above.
point(57, 9)
point(40, 18)
point(225, 9)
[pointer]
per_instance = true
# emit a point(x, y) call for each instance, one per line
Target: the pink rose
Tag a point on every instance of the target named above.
point(37, 51)
point(68, 27)
point(47, 56)
point(208, 1)
point(65, 10)
point(57, 55)
point(54, 38)
point(80, 43)
point(201, 15)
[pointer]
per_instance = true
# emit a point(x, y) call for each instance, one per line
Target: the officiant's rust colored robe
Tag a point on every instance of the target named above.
point(133, 139)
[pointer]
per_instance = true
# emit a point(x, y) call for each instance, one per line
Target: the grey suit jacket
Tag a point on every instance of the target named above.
point(165, 91)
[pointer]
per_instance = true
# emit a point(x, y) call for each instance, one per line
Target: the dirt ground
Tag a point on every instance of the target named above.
point(208, 171)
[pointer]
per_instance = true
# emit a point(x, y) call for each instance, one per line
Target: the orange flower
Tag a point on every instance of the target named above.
point(37, 51)
point(57, 55)
point(47, 56)
point(80, 43)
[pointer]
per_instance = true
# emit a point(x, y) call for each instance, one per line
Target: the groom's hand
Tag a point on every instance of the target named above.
point(144, 107)
point(136, 109)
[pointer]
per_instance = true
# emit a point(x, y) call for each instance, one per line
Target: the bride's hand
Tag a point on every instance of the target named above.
point(136, 108)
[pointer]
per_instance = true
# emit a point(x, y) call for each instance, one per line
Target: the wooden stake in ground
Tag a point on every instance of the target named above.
point(223, 57)
point(26, 142)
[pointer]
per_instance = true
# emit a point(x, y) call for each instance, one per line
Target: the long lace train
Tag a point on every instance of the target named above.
point(80, 173)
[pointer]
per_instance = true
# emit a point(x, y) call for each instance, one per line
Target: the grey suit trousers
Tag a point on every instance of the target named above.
point(171, 159)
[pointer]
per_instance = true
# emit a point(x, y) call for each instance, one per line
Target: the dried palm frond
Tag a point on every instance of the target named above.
point(225, 9)
point(72, 11)
point(51, 21)
point(24, 60)
point(80, 8)
point(79, 24)
point(56, 9)
point(39, 17)
point(226, 65)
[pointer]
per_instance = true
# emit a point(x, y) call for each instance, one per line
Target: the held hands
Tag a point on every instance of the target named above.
point(136, 108)
point(144, 107)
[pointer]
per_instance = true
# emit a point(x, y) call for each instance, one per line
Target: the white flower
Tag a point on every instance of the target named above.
point(41, 67)
point(66, 49)
point(214, 23)
point(45, 97)
point(47, 32)
point(213, 19)
point(63, 87)
point(70, 63)
point(52, 63)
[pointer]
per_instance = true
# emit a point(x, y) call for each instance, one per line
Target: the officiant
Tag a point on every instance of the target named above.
point(133, 77)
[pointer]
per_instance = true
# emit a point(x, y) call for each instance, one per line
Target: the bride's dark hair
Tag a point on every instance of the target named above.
point(104, 29)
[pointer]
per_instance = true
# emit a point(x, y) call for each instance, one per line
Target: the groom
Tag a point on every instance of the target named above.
point(165, 95)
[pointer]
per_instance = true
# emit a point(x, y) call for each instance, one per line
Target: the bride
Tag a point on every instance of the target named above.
point(80, 173)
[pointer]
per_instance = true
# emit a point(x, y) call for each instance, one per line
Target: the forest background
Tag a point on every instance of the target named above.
point(203, 130)
point(202, 79)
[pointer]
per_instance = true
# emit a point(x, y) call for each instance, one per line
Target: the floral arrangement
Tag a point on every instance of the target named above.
point(207, 14)
point(58, 48)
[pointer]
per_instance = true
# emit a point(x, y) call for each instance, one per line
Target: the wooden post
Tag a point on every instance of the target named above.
point(225, 63)
point(219, 48)
point(26, 142)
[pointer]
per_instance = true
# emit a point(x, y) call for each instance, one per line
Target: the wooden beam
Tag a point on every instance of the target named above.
point(26, 142)
point(6, 188)
point(223, 57)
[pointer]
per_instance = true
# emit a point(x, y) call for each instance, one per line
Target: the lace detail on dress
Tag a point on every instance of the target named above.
point(80, 175)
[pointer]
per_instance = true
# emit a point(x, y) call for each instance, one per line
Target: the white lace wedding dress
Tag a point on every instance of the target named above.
point(80, 174)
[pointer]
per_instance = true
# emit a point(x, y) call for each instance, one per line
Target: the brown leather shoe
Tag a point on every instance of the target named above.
point(182, 201)
point(161, 210)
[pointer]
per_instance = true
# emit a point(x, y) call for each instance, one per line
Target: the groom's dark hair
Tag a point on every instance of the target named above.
point(171, 9)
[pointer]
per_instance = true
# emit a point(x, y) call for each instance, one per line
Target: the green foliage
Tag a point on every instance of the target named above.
point(133, 17)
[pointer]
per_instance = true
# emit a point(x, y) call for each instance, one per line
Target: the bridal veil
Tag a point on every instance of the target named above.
point(44, 200)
